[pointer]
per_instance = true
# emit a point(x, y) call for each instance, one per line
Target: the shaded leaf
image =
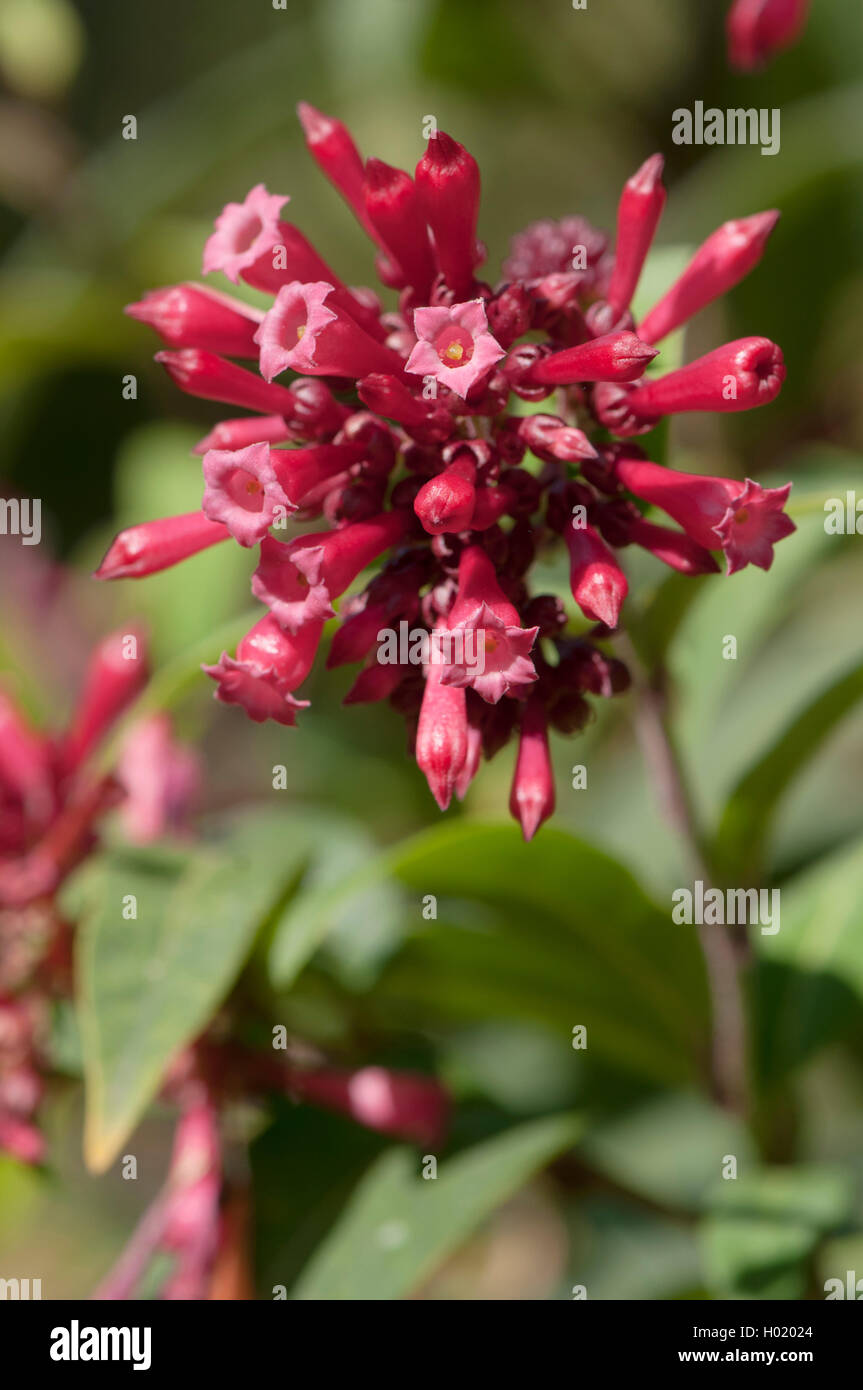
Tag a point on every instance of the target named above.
point(399, 1227)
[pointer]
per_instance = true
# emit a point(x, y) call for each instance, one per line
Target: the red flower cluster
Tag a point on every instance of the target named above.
point(419, 435)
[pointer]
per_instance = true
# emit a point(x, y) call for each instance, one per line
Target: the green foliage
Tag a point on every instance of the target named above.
point(399, 1226)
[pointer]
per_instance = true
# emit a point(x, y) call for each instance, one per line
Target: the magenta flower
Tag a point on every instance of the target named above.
point(454, 346)
point(299, 579)
point(303, 332)
point(745, 519)
point(243, 492)
point(447, 438)
point(497, 662)
point(244, 232)
point(269, 665)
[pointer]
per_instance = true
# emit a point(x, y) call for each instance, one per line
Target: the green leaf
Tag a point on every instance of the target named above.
point(748, 813)
point(346, 897)
point(150, 984)
point(763, 1229)
point(554, 933)
point(810, 973)
point(669, 1150)
point(399, 1227)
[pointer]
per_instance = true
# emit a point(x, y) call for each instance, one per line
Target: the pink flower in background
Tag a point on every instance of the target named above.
point(759, 29)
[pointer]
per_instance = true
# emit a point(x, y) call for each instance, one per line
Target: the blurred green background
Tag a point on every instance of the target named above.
point(559, 107)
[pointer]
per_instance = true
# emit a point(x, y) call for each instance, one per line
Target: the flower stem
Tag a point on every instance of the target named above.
point(723, 954)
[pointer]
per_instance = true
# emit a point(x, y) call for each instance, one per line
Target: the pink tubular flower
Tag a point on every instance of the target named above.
point(117, 671)
point(303, 332)
point(724, 259)
point(758, 29)
point(294, 258)
point(531, 800)
point(598, 583)
point(157, 545)
point(244, 232)
point(745, 519)
point(449, 185)
point(269, 665)
point(442, 737)
point(501, 664)
point(403, 1104)
point(188, 316)
point(454, 345)
point(299, 579)
point(243, 491)
point(160, 778)
point(638, 216)
point(613, 357)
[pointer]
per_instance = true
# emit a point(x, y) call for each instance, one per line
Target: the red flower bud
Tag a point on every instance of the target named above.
point(448, 181)
point(718, 265)
point(394, 208)
point(638, 216)
point(156, 545)
point(531, 800)
point(739, 376)
point(598, 583)
point(442, 739)
point(203, 374)
point(614, 357)
point(193, 316)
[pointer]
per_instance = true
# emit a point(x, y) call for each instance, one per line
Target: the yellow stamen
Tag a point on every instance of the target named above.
point(301, 330)
point(455, 352)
